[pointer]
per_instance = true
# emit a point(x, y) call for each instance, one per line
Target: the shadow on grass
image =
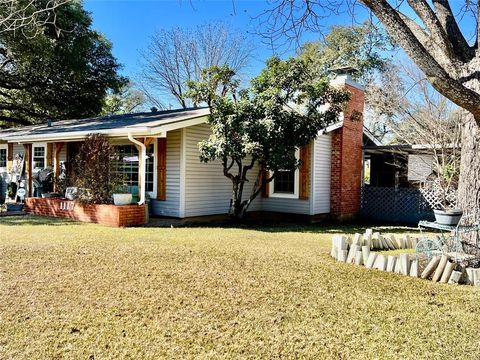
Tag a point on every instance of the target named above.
point(326, 227)
point(299, 227)
point(30, 220)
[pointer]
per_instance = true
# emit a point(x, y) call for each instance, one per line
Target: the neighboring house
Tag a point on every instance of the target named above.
point(400, 184)
point(398, 165)
point(180, 185)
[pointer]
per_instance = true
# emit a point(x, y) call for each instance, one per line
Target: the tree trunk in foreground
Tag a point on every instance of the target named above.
point(469, 186)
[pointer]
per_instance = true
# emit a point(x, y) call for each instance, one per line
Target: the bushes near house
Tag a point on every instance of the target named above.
point(95, 174)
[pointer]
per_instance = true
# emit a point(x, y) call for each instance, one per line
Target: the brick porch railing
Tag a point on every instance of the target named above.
point(110, 215)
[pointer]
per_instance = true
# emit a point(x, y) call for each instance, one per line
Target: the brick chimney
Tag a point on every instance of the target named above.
point(346, 161)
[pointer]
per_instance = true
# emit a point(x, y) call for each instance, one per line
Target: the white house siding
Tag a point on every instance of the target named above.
point(171, 206)
point(62, 157)
point(321, 174)
point(207, 190)
point(420, 166)
point(18, 149)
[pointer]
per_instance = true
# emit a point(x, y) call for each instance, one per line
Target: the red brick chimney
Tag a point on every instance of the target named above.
point(346, 172)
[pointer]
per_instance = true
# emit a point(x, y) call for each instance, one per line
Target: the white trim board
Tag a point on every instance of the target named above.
point(183, 161)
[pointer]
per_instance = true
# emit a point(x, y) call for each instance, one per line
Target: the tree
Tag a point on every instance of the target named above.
point(361, 46)
point(126, 100)
point(430, 34)
point(420, 117)
point(177, 56)
point(58, 73)
point(19, 15)
point(259, 128)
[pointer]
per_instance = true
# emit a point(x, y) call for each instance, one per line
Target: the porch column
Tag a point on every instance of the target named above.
point(142, 157)
point(28, 160)
point(147, 141)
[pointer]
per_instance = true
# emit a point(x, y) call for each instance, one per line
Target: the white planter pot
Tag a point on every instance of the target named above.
point(448, 217)
point(122, 199)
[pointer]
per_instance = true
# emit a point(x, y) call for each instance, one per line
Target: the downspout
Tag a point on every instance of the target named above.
point(143, 159)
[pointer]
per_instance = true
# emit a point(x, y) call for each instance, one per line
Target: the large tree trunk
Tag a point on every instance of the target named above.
point(469, 187)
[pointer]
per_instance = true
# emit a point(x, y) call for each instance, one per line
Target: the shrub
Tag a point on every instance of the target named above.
point(96, 177)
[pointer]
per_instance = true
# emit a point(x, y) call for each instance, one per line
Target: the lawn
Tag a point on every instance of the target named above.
point(83, 291)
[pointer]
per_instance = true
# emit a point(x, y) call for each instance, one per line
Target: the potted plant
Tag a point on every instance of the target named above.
point(446, 213)
point(121, 196)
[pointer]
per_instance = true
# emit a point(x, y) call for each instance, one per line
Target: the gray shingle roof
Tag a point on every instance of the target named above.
point(92, 125)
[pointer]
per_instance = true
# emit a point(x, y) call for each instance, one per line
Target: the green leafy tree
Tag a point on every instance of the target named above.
point(63, 71)
point(262, 126)
point(361, 46)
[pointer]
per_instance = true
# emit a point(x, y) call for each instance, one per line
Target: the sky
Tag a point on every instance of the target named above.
point(129, 24)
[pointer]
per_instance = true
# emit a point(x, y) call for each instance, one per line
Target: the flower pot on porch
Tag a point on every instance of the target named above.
point(122, 199)
point(448, 217)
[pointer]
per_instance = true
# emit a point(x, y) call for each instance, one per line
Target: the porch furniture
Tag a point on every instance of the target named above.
point(450, 239)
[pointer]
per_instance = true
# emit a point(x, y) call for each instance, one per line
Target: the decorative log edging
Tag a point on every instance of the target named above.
point(359, 250)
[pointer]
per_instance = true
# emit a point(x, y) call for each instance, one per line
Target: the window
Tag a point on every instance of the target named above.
point(38, 157)
point(3, 156)
point(149, 171)
point(286, 183)
point(127, 164)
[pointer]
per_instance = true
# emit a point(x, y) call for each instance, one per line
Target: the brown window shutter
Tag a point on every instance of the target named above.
point(10, 152)
point(161, 169)
point(28, 161)
point(49, 154)
point(304, 191)
point(266, 189)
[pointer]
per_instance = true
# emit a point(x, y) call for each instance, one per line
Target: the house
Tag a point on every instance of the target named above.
point(178, 184)
point(401, 165)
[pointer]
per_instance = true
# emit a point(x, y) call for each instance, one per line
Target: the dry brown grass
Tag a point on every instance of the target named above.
point(81, 291)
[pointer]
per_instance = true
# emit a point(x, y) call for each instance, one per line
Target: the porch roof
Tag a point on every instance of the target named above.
point(138, 124)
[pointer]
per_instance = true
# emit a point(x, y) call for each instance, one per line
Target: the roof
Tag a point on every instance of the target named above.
point(148, 123)
point(138, 124)
point(371, 137)
point(404, 148)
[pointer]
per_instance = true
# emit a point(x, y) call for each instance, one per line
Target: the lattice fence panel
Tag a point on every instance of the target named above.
point(400, 205)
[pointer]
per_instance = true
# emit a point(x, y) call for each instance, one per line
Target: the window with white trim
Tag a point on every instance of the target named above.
point(149, 170)
point(127, 164)
point(286, 183)
point(39, 155)
point(3, 156)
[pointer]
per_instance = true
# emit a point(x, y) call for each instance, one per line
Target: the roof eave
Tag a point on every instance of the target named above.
point(157, 131)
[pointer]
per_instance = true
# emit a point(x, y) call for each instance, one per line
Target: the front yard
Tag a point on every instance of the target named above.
point(83, 291)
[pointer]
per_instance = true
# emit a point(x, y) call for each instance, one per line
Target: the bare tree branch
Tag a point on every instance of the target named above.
point(177, 56)
point(17, 15)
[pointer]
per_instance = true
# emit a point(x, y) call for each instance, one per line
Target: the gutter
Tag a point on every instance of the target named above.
point(143, 159)
point(73, 135)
